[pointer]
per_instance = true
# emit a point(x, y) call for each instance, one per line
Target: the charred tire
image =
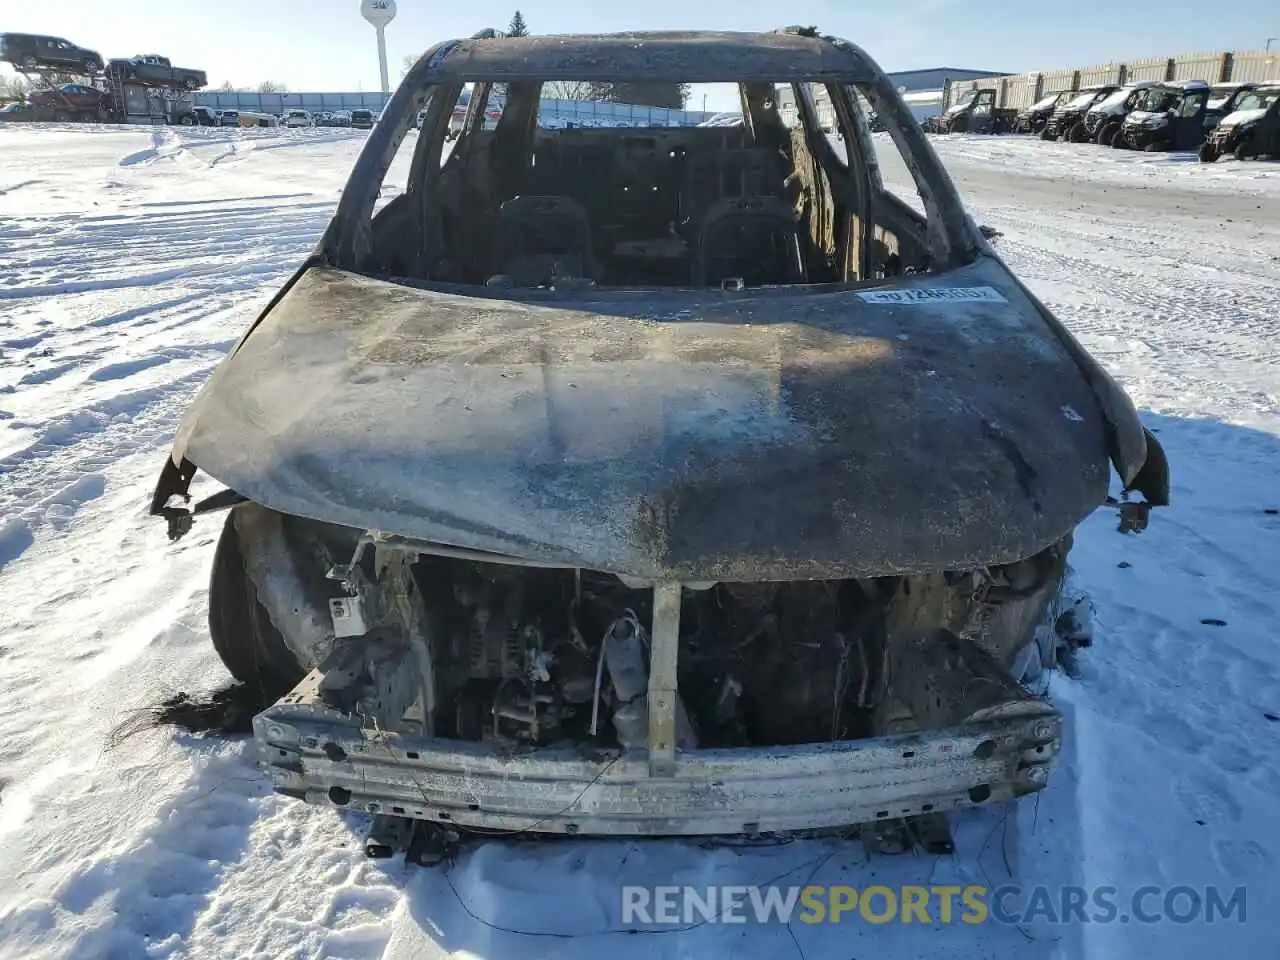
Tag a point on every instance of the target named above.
point(1106, 135)
point(1078, 133)
point(1207, 153)
point(1244, 151)
point(1046, 135)
point(247, 642)
point(1118, 142)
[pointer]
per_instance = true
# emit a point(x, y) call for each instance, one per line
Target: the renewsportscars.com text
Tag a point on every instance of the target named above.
point(933, 904)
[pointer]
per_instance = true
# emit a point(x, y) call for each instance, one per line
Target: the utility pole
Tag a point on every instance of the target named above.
point(1270, 41)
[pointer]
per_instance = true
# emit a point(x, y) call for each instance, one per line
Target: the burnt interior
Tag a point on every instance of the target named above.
point(521, 205)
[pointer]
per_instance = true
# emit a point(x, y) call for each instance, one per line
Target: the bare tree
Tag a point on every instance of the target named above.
point(228, 87)
point(569, 90)
point(270, 86)
point(407, 64)
point(13, 87)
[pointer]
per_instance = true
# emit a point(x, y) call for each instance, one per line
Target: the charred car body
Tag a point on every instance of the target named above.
point(1169, 116)
point(1067, 120)
point(1251, 130)
point(586, 488)
point(1104, 119)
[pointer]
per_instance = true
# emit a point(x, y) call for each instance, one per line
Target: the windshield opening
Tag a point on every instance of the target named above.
point(1082, 101)
point(1046, 102)
point(1158, 100)
point(965, 102)
point(1114, 99)
point(583, 185)
point(1257, 100)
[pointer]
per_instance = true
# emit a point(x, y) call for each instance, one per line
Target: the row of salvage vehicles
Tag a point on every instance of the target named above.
point(1237, 119)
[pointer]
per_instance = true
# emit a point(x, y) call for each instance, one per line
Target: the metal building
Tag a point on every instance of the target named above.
point(925, 91)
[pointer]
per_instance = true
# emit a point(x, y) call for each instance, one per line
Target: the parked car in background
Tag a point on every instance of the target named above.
point(340, 118)
point(17, 113)
point(1103, 120)
point(153, 68)
point(1035, 117)
point(31, 51)
point(1223, 98)
point(205, 116)
point(253, 118)
point(975, 113)
point(1251, 130)
point(297, 118)
point(228, 118)
point(1169, 116)
point(362, 119)
point(1066, 116)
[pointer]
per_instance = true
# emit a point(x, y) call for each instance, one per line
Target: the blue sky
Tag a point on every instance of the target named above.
point(324, 45)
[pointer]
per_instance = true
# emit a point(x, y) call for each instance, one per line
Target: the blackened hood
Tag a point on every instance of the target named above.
point(696, 435)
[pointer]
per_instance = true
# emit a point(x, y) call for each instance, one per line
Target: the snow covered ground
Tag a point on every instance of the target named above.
point(131, 259)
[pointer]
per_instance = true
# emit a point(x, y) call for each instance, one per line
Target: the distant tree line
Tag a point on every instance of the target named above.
point(266, 86)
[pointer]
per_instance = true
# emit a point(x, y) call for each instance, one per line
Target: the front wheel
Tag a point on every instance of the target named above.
point(1078, 133)
point(1244, 151)
point(247, 642)
point(1207, 153)
point(1046, 134)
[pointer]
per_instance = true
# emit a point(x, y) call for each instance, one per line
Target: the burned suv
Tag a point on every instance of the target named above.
point(657, 480)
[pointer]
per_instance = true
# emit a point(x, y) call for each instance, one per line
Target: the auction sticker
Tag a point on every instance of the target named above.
point(935, 295)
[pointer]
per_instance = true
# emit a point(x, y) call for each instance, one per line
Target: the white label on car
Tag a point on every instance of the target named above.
point(935, 295)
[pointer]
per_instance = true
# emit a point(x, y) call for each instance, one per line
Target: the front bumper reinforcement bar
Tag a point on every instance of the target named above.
point(322, 756)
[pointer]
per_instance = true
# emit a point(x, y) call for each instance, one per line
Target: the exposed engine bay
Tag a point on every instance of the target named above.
point(527, 656)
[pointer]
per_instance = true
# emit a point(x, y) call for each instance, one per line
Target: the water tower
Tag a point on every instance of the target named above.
point(380, 13)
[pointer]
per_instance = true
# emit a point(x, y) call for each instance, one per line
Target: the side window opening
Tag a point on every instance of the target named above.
point(900, 241)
